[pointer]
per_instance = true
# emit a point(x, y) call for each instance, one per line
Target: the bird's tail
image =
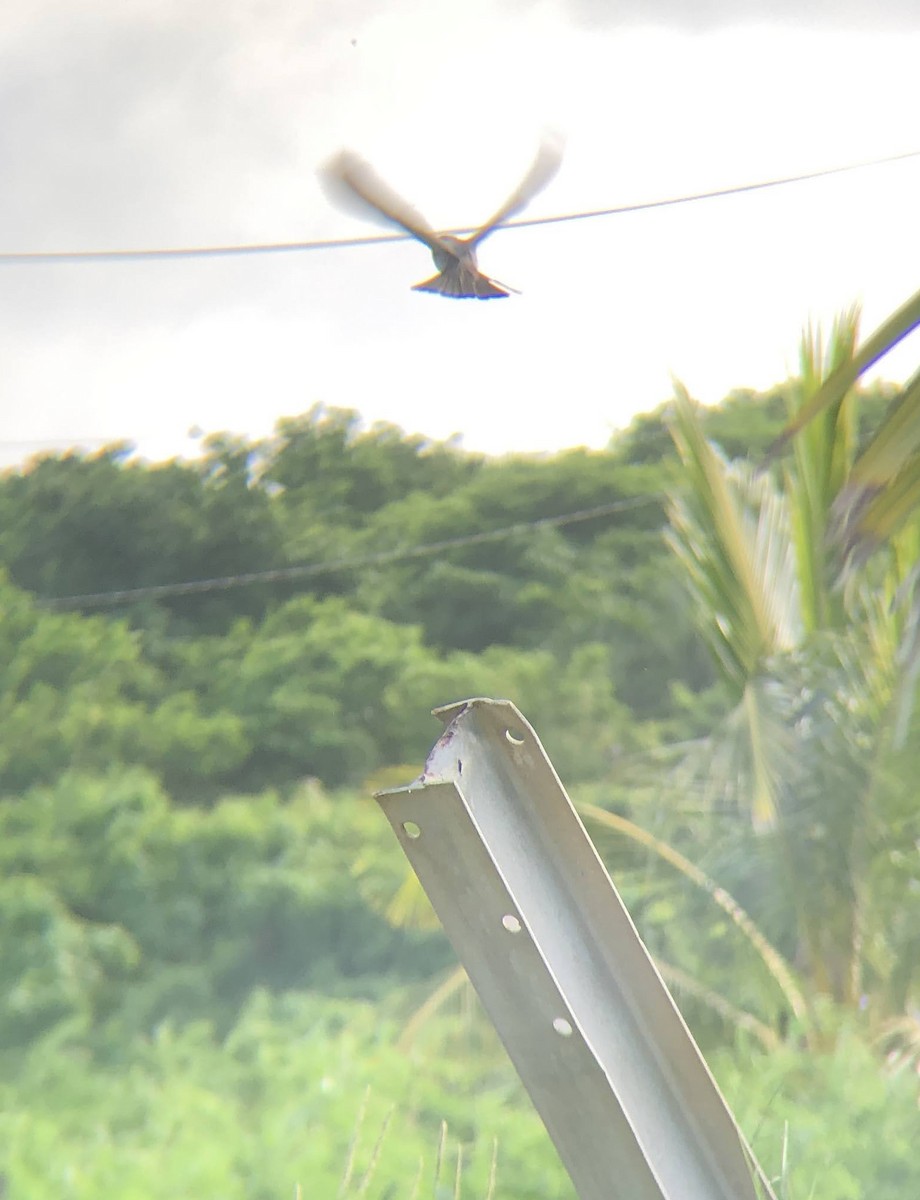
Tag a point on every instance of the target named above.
point(462, 282)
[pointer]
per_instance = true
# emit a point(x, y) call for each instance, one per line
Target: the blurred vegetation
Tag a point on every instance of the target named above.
point(209, 947)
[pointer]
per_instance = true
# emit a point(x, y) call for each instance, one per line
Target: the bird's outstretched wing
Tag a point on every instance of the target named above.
point(542, 170)
point(353, 184)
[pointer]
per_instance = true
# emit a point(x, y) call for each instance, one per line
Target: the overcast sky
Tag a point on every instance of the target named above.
point(162, 123)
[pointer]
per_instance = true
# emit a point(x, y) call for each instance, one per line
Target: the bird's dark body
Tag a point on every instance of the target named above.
point(458, 273)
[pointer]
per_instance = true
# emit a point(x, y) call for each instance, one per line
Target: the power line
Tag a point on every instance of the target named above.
point(334, 566)
point(82, 256)
point(737, 190)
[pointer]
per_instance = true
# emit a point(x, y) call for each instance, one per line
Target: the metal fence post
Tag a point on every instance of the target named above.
point(548, 944)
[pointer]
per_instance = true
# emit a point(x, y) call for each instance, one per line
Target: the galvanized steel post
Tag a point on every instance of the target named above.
point(548, 944)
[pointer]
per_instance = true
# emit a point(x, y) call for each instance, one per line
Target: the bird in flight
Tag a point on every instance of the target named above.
point(348, 178)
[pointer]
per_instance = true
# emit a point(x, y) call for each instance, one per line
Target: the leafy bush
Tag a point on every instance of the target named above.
point(122, 909)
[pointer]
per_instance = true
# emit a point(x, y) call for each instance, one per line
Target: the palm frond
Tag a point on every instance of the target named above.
point(822, 459)
point(680, 980)
point(774, 961)
point(840, 380)
point(729, 530)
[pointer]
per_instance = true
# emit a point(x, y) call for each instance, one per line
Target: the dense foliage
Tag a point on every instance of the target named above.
point(201, 970)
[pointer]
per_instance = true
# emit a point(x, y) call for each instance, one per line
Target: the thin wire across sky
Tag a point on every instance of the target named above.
point(90, 256)
point(339, 565)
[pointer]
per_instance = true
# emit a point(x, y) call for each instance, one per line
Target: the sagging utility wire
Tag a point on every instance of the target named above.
point(14, 258)
point(335, 566)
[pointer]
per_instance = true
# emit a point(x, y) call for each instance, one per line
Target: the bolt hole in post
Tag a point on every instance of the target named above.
point(562, 1027)
point(411, 830)
point(511, 923)
point(514, 737)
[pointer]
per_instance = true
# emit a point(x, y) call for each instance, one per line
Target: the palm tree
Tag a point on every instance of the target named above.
point(801, 580)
